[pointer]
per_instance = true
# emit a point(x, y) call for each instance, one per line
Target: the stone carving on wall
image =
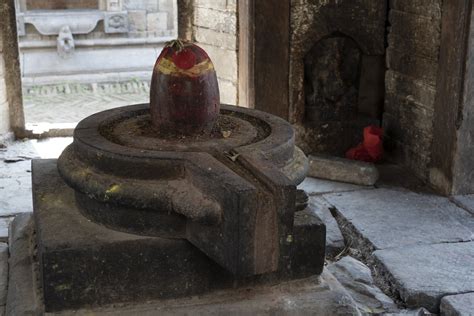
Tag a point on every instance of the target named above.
point(115, 22)
point(65, 42)
point(50, 22)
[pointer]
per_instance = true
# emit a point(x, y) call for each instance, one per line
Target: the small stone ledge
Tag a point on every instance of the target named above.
point(457, 305)
point(23, 296)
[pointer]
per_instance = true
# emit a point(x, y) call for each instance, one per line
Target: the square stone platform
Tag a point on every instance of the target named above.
point(82, 263)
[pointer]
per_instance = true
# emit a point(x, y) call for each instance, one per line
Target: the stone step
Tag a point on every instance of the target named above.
point(420, 246)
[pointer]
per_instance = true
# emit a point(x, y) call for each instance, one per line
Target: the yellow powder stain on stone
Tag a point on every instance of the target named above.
point(113, 189)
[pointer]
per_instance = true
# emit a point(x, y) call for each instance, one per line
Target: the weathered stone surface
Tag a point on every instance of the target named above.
point(412, 60)
point(225, 61)
point(423, 8)
point(465, 201)
point(343, 170)
point(213, 4)
point(457, 305)
point(23, 290)
point(84, 263)
point(311, 21)
point(157, 21)
point(420, 30)
point(390, 218)
point(414, 66)
point(423, 274)
point(314, 186)
point(137, 20)
point(411, 312)
point(215, 38)
point(228, 91)
point(3, 273)
point(4, 228)
point(16, 195)
point(357, 279)
point(324, 296)
point(309, 240)
point(220, 21)
point(334, 238)
point(417, 90)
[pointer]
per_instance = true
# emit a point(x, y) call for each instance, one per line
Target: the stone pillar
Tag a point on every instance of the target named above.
point(452, 165)
point(10, 78)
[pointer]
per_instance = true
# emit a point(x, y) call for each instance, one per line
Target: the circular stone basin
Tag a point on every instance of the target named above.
point(128, 177)
point(231, 130)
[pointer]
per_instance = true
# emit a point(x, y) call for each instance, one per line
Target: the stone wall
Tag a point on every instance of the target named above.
point(133, 32)
point(412, 62)
point(336, 80)
point(214, 28)
point(4, 113)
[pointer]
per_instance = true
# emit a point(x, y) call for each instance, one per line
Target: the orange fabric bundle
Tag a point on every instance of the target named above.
point(371, 149)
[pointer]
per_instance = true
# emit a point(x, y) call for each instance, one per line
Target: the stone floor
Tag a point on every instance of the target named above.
point(395, 247)
point(67, 103)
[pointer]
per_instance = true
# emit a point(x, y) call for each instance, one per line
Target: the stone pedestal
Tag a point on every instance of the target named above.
point(127, 215)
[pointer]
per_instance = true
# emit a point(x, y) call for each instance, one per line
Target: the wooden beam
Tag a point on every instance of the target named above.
point(452, 166)
point(12, 67)
point(264, 39)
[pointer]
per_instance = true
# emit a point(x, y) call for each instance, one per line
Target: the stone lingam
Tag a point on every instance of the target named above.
point(158, 205)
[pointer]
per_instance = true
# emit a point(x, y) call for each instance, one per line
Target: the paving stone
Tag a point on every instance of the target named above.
point(465, 201)
point(457, 305)
point(314, 186)
point(411, 312)
point(344, 170)
point(4, 228)
point(78, 101)
point(334, 238)
point(357, 279)
point(15, 177)
point(3, 273)
point(394, 218)
point(15, 196)
point(421, 275)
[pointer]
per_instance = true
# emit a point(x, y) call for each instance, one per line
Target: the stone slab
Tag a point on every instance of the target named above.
point(343, 170)
point(23, 296)
point(397, 218)
point(465, 201)
point(421, 275)
point(3, 273)
point(314, 186)
point(309, 234)
point(311, 296)
point(4, 228)
point(457, 305)
point(334, 239)
point(15, 174)
point(356, 277)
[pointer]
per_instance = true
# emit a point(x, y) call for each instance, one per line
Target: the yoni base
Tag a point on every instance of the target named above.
point(316, 295)
point(82, 263)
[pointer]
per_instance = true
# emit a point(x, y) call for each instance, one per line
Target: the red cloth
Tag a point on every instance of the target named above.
point(371, 149)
